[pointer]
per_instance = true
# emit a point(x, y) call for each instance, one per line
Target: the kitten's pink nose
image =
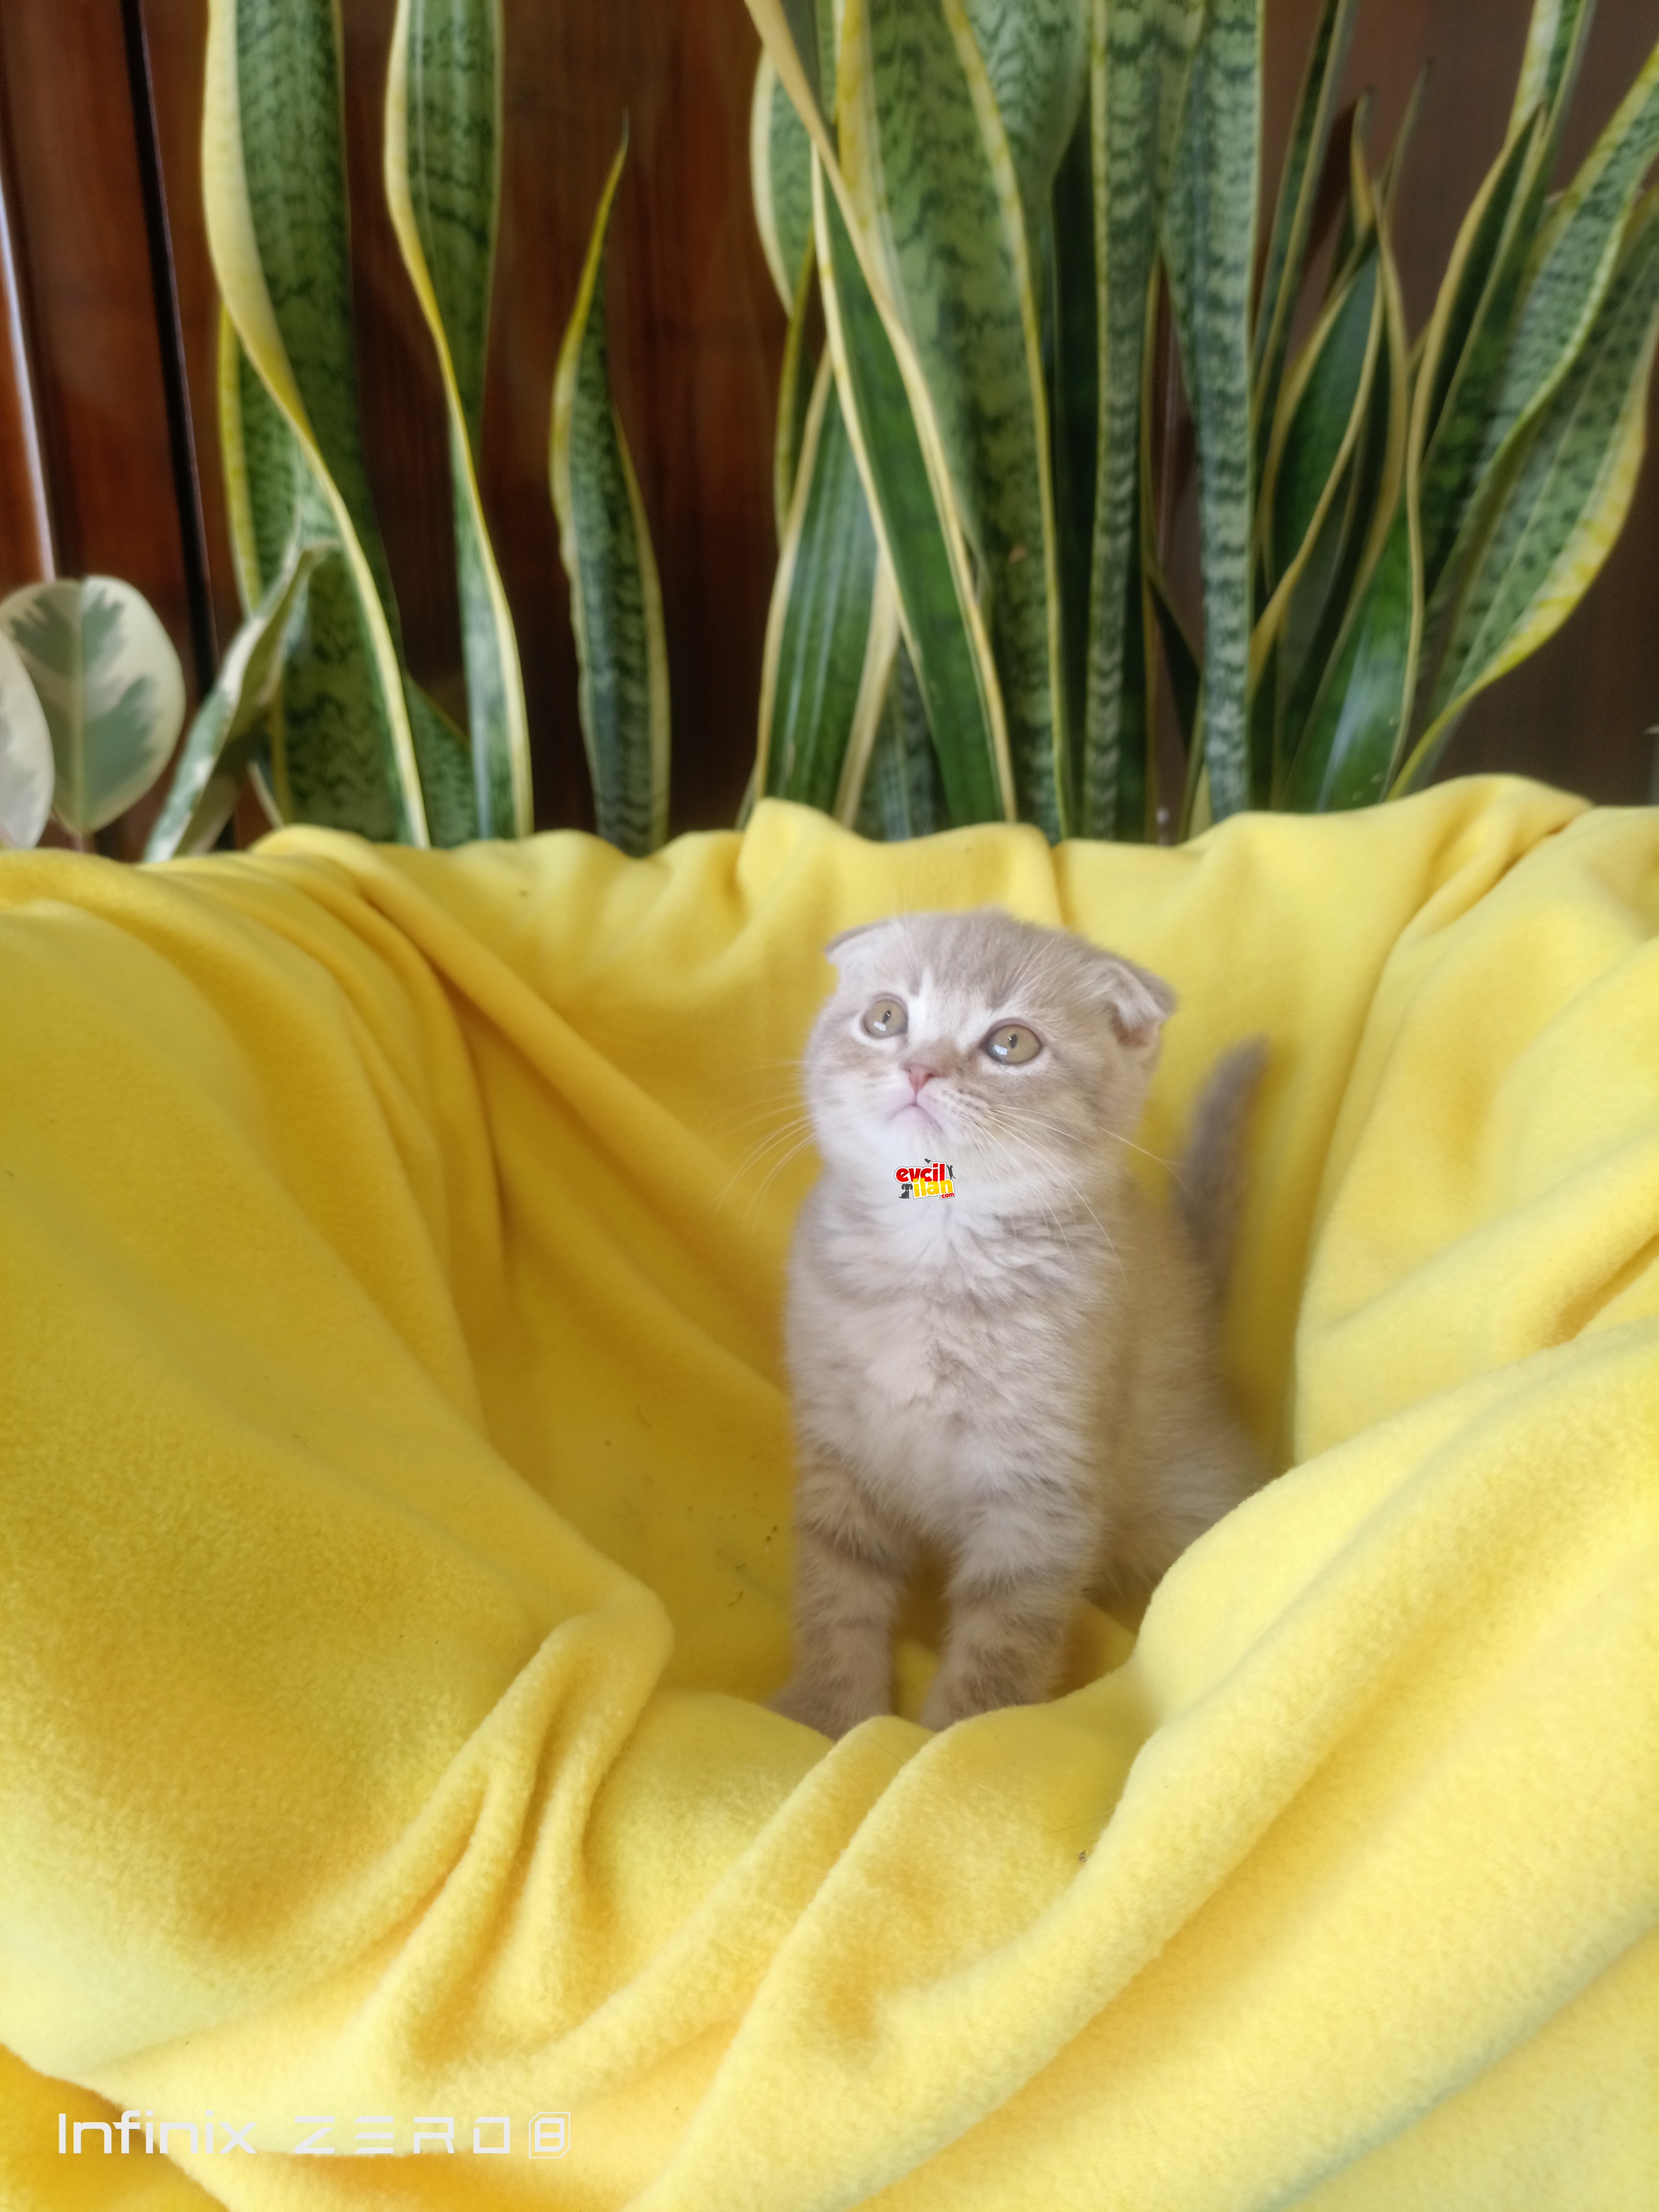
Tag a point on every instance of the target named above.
point(919, 1076)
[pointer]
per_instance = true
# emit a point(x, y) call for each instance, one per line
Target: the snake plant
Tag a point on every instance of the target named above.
point(991, 207)
point(314, 700)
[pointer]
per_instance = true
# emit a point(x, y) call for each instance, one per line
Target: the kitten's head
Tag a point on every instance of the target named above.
point(1016, 1054)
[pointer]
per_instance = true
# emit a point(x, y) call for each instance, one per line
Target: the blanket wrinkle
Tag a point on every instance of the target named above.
point(395, 1553)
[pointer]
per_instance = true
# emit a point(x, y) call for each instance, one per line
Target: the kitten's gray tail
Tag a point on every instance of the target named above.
point(1209, 1184)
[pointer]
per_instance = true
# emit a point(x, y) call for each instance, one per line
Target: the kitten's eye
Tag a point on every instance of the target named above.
point(1012, 1042)
point(887, 1018)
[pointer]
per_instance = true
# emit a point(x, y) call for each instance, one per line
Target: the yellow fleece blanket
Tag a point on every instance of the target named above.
point(395, 1550)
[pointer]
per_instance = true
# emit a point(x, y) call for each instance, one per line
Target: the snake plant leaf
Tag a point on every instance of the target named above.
point(616, 603)
point(1322, 418)
point(322, 757)
point(446, 760)
point(902, 794)
point(930, 173)
point(780, 179)
point(110, 684)
point(1354, 734)
point(1553, 523)
point(882, 389)
point(1299, 185)
point(274, 194)
point(1572, 267)
point(794, 395)
point(1388, 177)
point(26, 769)
point(948, 648)
point(871, 706)
point(228, 728)
point(443, 118)
point(1209, 229)
point(819, 627)
point(263, 471)
point(1555, 42)
point(1036, 65)
point(1140, 56)
point(1468, 334)
point(1071, 349)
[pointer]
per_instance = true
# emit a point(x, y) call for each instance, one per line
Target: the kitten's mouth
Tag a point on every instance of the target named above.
point(913, 1106)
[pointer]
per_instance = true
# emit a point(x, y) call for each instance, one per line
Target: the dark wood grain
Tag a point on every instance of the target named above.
point(84, 253)
point(697, 336)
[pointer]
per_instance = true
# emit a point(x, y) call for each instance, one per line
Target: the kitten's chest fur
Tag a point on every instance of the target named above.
point(953, 1359)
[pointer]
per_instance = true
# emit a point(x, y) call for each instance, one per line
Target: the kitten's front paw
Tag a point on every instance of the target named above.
point(819, 1706)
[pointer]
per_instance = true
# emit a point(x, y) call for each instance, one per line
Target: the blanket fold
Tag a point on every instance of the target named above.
point(394, 1553)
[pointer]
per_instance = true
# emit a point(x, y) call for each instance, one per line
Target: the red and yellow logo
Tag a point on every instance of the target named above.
point(932, 1179)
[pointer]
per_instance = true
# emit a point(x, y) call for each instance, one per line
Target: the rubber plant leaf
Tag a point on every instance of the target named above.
point(274, 193)
point(1553, 521)
point(109, 682)
point(616, 603)
point(1209, 230)
point(27, 768)
point(443, 161)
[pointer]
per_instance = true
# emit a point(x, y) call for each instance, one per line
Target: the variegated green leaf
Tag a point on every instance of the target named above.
point(948, 648)
point(264, 470)
point(616, 603)
point(228, 725)
point(274, 192)
point(325, 725)
point(820, 626)
point(1322, 413)
point(27, 770)
point(1140, 57)
point(446, 769)
point(1072, 349)
point(1555, 42)
point(1036, 64)
point(1354, 734)
point(794, 395)
point(780, 179)
point(109, 682)
point(1468, 333)
point(1209, 230)
point(1572, 267)
point(1298, 185)
point(443, 122)
point(1552, 522)
point(930, 172)
point(901, 795)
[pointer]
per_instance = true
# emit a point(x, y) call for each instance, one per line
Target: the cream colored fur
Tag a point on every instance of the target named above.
point(1022, 1376)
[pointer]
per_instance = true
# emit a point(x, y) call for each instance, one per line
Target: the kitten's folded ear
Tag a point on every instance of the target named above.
point(836, 949)
point(1138, 1002)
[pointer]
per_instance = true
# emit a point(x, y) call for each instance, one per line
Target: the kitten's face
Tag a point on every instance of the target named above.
point(1015, 1053)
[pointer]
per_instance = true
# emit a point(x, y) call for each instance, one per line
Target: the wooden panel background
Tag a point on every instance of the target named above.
point(109, 449)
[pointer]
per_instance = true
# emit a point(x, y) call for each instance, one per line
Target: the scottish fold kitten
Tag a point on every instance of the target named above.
point(1013, 1362)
